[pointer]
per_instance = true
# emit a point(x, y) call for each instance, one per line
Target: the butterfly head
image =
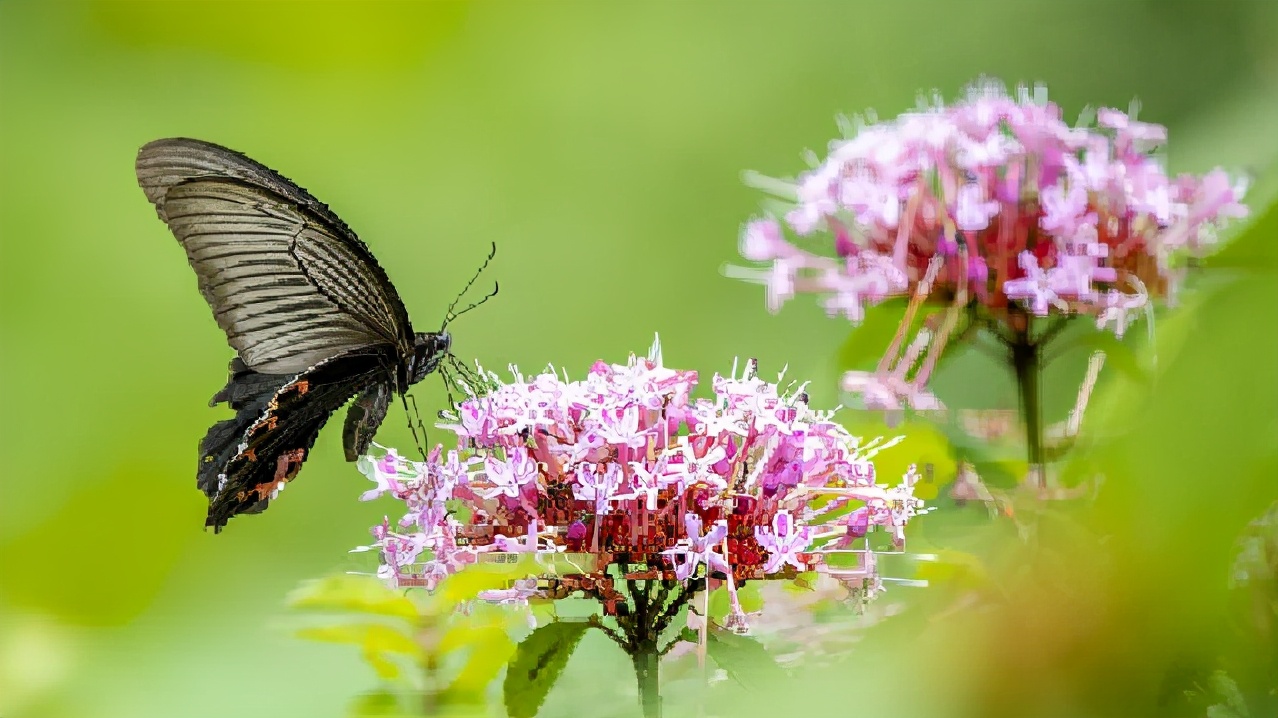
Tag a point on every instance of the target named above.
point(429, 350)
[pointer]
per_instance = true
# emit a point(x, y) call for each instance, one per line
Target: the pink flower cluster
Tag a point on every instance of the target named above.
point(626, 461)
point(1019, 205)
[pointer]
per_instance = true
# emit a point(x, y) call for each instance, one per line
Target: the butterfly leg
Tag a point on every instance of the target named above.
point(413, 428)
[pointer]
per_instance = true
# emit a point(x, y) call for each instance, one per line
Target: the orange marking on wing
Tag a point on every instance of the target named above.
point(303, 386)
point(288, 464)
point(250, 454)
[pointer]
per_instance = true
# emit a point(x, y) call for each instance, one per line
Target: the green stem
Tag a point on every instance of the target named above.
point(1027, 365)
point(650, 613)
point(647, 660)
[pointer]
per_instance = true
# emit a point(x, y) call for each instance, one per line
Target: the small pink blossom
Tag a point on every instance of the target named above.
point(699, 548)
point(783, 541)
point(512, 474)
point(1039, 289)
point(385, 474)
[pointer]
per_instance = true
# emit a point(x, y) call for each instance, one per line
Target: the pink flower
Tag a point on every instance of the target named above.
point(516, 595)
point(1003, 173)
point(761, 240)
point(647, 460)
point(384, 473)
point(597, 483)
point(783, 542)
point(699, 548)
point(1039, 289)
point(972, 212)
point(512, 474)
point(1119, 308)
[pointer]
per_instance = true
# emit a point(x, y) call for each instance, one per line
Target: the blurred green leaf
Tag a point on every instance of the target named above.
point(751, 597)
point(1119, 354)
point(925, 444)
point(721, 601)
point(466, 584)
point(1249, 254)
point(376, 641)
point(803, 583)
point(744, 659)
point(955, 568)
point(1187, 461)
point(459, 509)
point(538, 662)
point(378, 704)
point(490, 648)
point(1226, 689)
point(356, 594)
point(866, 342)
point(1000, 462)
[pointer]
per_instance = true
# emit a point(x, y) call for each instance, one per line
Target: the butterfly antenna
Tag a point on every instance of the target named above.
point(411, 427)
point(473, 305)
point(450, 315)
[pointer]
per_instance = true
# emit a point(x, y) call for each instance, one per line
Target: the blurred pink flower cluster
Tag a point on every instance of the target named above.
point(1021, 208)
point(624, 465)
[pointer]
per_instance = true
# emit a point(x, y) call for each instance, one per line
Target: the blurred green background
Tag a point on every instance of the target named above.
point(600, 145)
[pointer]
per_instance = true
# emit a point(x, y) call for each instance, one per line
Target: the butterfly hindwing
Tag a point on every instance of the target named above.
point(241, 472)
point(247, 392)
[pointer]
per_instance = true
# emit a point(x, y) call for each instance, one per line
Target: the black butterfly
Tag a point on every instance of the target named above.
point(313, 317)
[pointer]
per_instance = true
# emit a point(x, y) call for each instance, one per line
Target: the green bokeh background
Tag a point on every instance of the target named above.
point(600, 145)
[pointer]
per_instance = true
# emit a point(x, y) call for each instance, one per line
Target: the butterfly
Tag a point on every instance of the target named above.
point(313, 318)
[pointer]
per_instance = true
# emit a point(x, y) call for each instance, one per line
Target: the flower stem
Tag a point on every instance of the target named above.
point(646, 662)
point(1027, 366)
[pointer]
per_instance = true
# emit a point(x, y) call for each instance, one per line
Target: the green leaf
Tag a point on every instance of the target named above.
point(355, 594)
point(459, 509)
point(1245, 253)
point(490, 649)
point(721, 600)
point(1119, 354)
point(744, 659)
point(377, 704)
point(377, 640)
point(867, 341)
point(1225, 687)
point(466, 584)
point(751, 597)
point(803, 583)
point(956, 568)
point(538, 662)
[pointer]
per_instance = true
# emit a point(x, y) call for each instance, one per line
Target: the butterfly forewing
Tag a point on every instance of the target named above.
point(288, 281)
